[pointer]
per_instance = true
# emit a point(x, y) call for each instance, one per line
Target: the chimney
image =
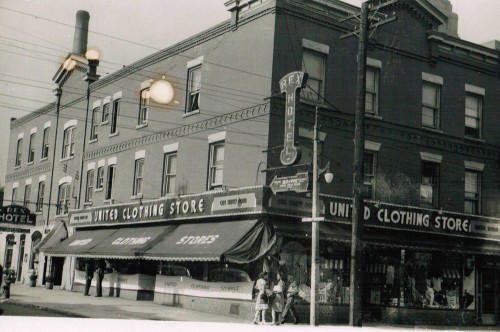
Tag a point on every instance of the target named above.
point(81, 32)
point(444, 6)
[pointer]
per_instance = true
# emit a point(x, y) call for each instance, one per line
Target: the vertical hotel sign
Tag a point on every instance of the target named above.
point(291, 84)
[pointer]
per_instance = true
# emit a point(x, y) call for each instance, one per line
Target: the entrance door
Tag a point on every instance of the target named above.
point(489, 298)
point(57, 269)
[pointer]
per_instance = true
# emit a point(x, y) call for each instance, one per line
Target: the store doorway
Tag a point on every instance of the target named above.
point(489, 283)
point(57, 269)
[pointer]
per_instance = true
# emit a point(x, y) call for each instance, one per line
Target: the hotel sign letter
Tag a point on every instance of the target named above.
point(291, 85)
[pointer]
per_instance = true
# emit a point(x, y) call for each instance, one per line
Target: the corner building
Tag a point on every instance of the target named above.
point(179, 202)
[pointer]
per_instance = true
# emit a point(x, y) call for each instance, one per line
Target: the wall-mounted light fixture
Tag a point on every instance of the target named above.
point(162, 91)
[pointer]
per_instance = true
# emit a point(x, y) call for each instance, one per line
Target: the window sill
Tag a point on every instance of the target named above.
point(98, 190)
point(44, 159)
point(38, 213)
point(104, 123)
point(185, 115)
point(17, 167)
point(135, 197)
point(93, 141)
point(67, 158)
point(30, 163)
point(433, 130)
point(142, 125)
point(373, 116)
point(108, 201)
point(88, 204)
point(114, 134)
point(476, 140)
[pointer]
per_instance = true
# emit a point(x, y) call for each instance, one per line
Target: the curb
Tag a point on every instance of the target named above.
point(43, 308)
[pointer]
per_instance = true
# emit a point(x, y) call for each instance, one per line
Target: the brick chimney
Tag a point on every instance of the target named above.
point(445, 7)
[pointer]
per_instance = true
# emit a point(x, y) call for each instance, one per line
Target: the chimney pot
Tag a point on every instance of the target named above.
point(81, 32)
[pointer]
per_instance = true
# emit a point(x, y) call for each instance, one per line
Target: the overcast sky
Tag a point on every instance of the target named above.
point(36, 34)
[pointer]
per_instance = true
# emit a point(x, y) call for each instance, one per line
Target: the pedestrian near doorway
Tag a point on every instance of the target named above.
point(89, 274)
point(291, 293)
point(261, 301)
point(101, 266)
point(278, 300)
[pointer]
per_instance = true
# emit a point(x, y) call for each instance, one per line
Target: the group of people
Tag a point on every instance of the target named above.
point(89, 275)
point(280, 298)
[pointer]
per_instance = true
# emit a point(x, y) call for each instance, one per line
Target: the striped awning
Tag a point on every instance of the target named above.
point(451, 274)
point(375, 268)
point(334, 264)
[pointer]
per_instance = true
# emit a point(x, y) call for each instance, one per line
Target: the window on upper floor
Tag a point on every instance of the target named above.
point(144, 107)
point(110, 181)
point(193, 89)
point(89, 189)
point(371, 93)
point(94, 125)
point(31, 151)
point(431, 105)
point(19, 152)
point(68, 149)
point(45, 143)
point(370, 168)
point(473, 114)
point(472, 192)
point(169, 173)
point(114, 116)
point(63, 198)
point(313, 63)
point(216, 165)
point(40, 197)
point(13, 198)
point(27, 195)
point(138, 177)
point(100, 178)
point(429, 186)
point(105, 113)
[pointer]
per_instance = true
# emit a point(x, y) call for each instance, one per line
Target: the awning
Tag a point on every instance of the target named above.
point(55, 236)
point(451, 274)
point(329, 231)
point(129, 242)
point(80, 243)
point(235, 241)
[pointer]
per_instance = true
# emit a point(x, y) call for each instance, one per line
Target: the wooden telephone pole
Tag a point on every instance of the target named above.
point(366, 23)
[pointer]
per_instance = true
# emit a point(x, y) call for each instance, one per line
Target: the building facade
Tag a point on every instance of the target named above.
point(180, 194)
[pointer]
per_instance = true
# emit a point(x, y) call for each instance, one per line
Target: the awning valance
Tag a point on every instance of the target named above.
point(81, 243)
point(54, 238)
point(235, 241)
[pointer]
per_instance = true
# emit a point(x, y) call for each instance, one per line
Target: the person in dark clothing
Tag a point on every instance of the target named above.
point(291, 294)
point(89, 274)
point(101, 267)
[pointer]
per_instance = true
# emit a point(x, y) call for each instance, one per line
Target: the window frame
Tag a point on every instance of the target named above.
point(137, 187)
point(144, 106)
point(110, 181)
point(68, 146)
point(436, 108)
point(19, 152)
point(476, 200)
point(27, 195)
point(215, 166)
point(40, 196)
point(114, 116)
point(45, 143)
point(105, 113)
point(430, 170)
point(89, 188)
point(369, 179)
point(94, 125)
point(192, 94)
point(480, 103)
point(63, 200)
point(13, 197)
point(31, 151)
point(373, 92)
point(169, 174)
point(99, 178)
point(307, 94)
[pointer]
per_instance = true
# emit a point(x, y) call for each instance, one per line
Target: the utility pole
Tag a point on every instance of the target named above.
point(356, 289)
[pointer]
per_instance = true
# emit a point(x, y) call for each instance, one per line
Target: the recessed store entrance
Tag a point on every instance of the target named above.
point(489, 284)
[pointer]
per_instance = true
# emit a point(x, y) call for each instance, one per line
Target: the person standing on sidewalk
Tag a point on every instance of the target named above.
point(278, 300)
point(89, 274)
point(291, 293)
point(101, 266)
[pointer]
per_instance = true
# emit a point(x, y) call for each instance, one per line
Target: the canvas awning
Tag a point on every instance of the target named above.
point(80, 243)
point(54, 238)
point(235, 241)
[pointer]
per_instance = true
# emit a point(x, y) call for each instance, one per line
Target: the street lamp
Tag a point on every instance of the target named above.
point(315, 219)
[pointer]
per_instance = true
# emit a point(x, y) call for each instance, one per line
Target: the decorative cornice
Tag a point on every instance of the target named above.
point(28, 172)
point(212, 123)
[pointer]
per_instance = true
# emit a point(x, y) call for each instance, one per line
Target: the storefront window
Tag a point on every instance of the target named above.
point(381, 272)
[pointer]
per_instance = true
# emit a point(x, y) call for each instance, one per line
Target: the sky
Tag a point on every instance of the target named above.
point(36, 34)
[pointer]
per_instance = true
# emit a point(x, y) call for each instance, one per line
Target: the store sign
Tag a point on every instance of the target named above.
point(185, 207)
point(290, 85)
point(297, 183)
point(414, 218)
point(16, 214)
point(191, 287)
